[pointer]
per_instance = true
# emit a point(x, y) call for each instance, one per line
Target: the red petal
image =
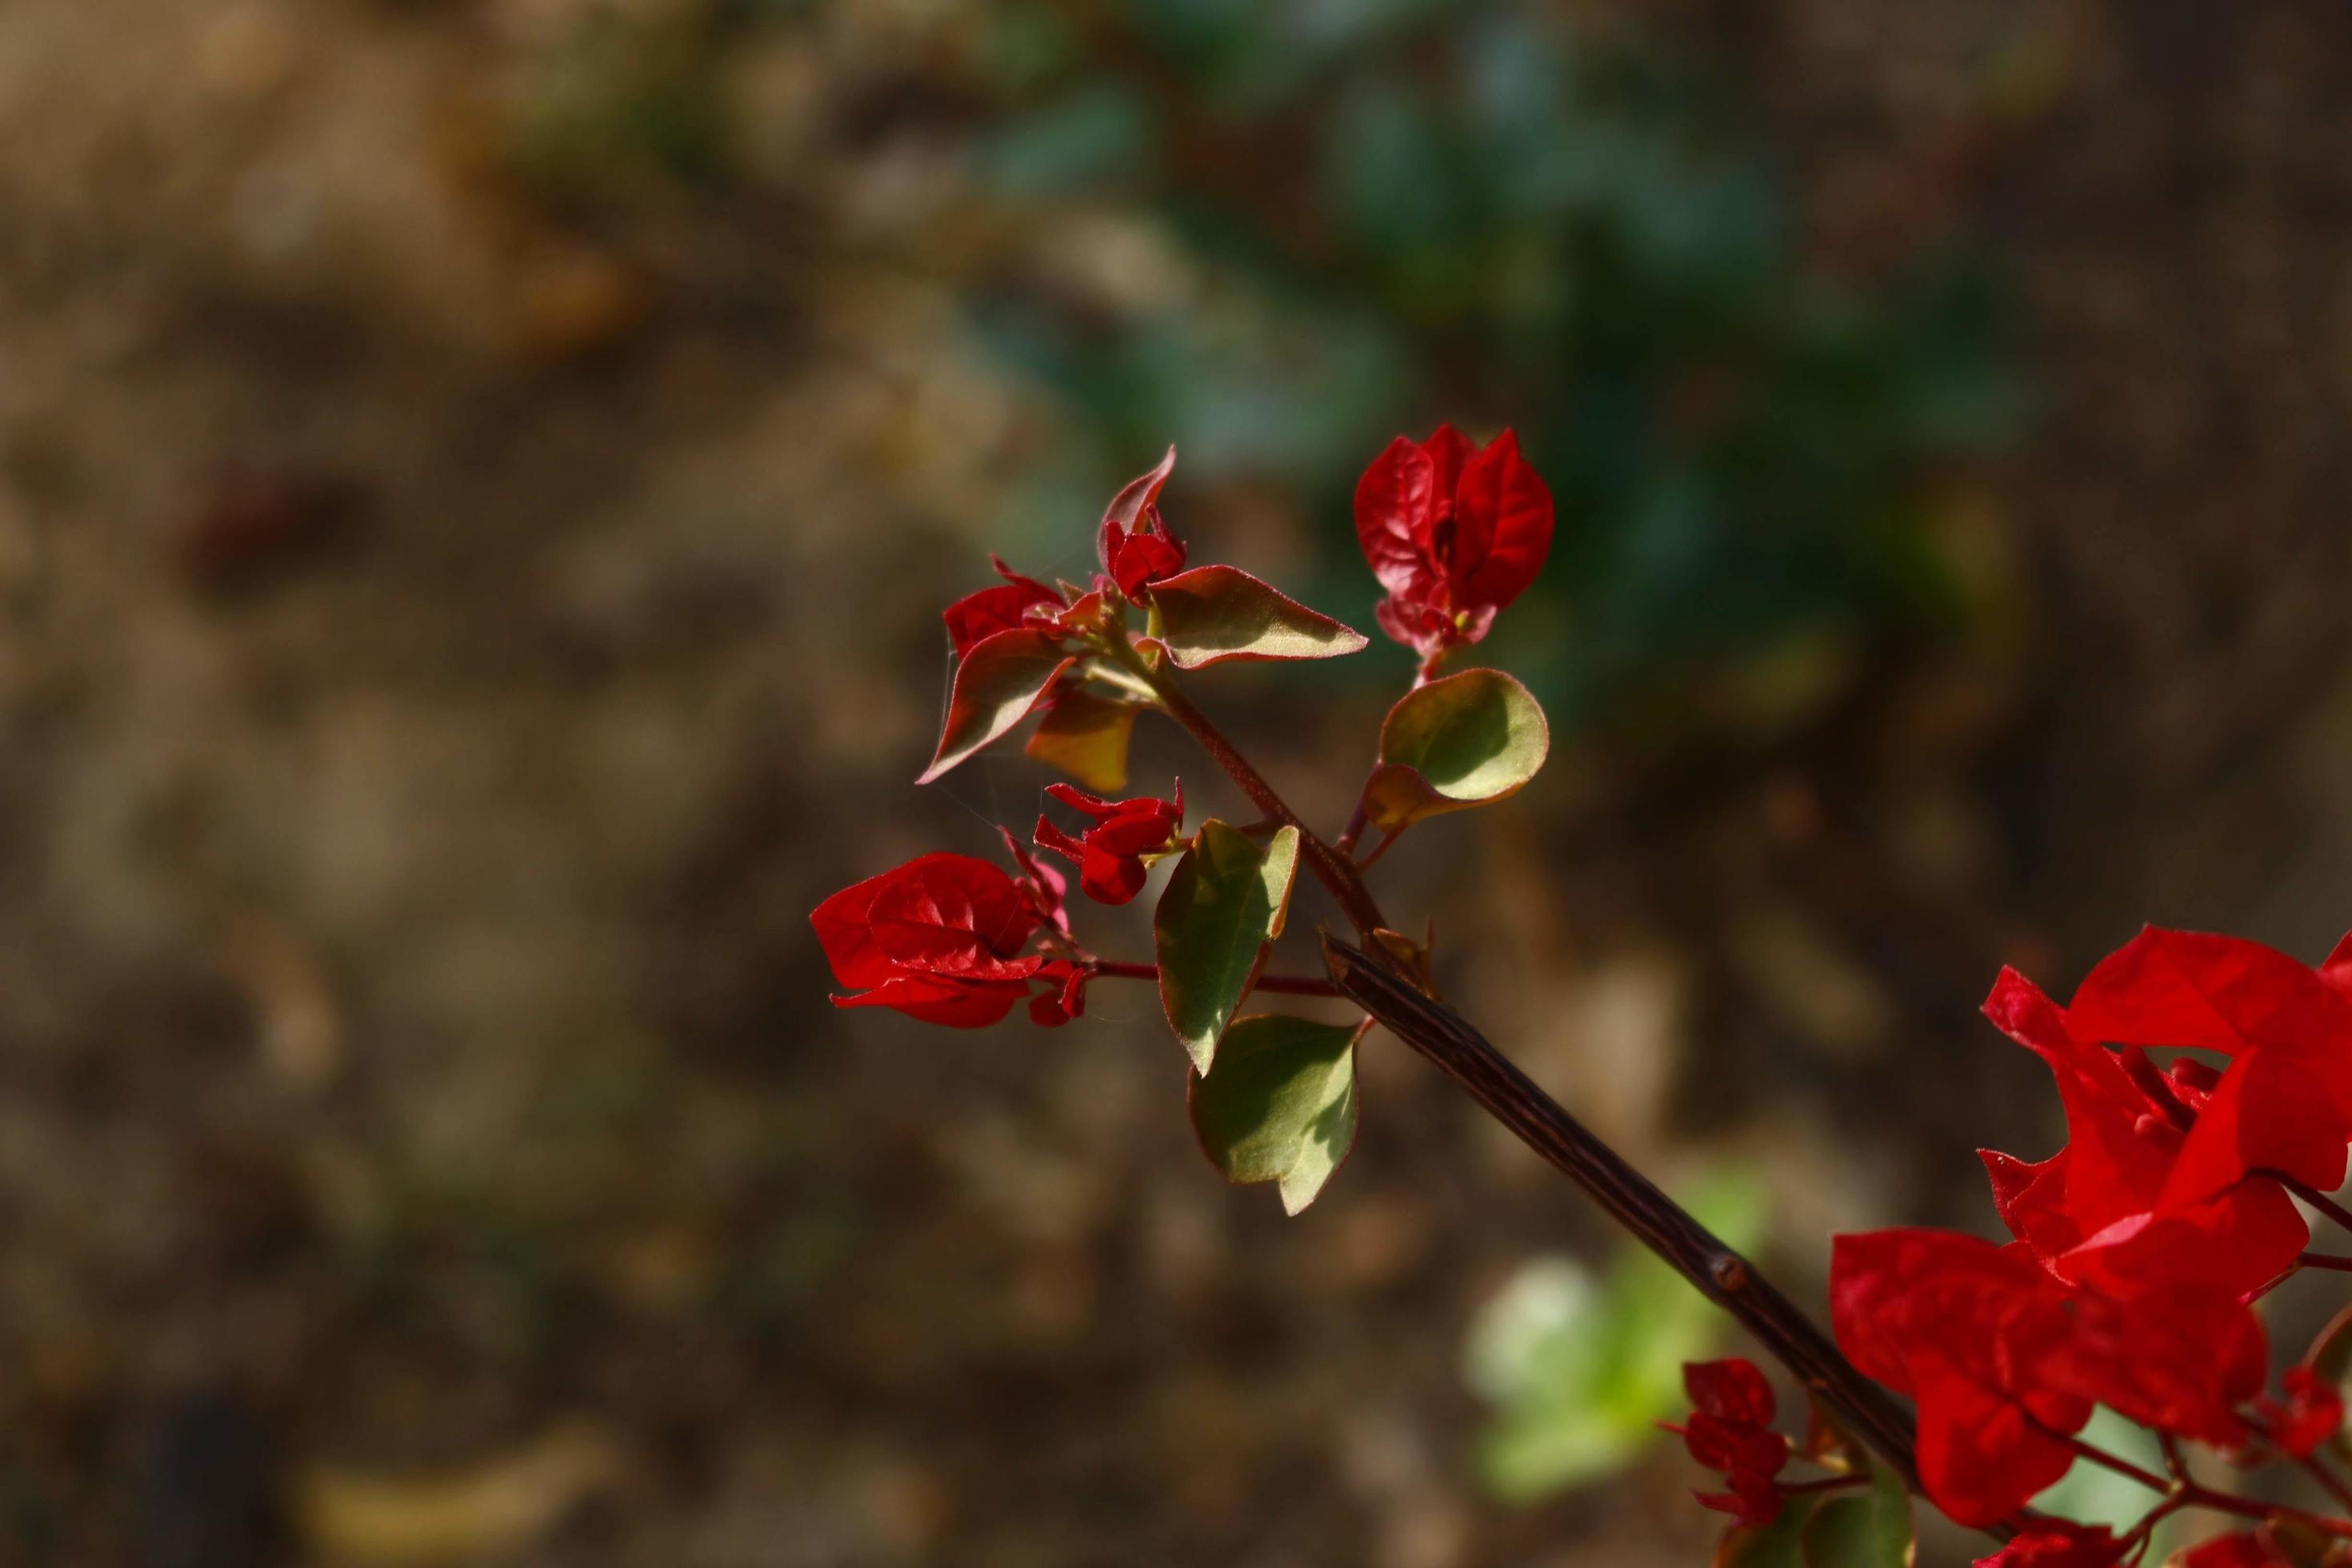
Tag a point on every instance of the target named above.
point(1980, 1458)
point(1502, 527)
point(943, 999)
point(2250, 1549)
point(1127, 508)
point(2314, 1412)
point(1732, 1389)
point(953, 915)
point(1450, 452)
point(2218, 992)
point(2057, 1544)
point(992, 610)
point(842, 930)
point(2180, 1361)
point(1394, 504)
point(2236, 1243)
point(2271, 1111)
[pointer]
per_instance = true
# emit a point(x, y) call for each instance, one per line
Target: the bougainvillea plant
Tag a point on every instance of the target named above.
point(2206, 1081)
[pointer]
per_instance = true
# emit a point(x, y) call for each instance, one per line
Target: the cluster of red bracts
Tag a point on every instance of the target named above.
point(2139, 1245)
point(951, 940)
point(1455, 532)
point(1731, 1432)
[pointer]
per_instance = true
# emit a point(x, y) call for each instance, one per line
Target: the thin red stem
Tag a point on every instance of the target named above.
point(2121, 1467)
point(1333, 870)
point(2183, 1492)
point(2313, 1196)
point(2325, 1260)
point(2328, 1483)
point(1273, 985)
point(1379, 849)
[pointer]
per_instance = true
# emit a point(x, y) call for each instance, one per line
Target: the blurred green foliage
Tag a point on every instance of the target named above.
point(1580, 1369)
point(1386, 213)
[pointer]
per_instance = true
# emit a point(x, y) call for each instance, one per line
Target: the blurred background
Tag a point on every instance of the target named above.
point(477, 481)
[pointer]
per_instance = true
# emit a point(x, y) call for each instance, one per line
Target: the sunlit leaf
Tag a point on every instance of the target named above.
point(1224, 903)
point(999, 681)
point(1280, 1105)
point(1212, 613)
point(1461, 740)
point(1087, 737)
point(1869, 1529)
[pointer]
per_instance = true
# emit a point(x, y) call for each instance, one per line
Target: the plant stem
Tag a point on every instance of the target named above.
point(1633, 1200)
point(2183, 1492)
point(2314, 1197)
point(1332, 869)
point(2326, 1479)
point(2121, 1467)
point(1273, 985)
point(2325, 1260)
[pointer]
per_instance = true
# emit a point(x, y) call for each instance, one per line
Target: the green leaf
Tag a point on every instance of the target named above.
point(999, 681)
point(1212, 613)
point(1461, 740)
point(1223, 905)
point(1087, 737)
point(1862, 1529)
point(1281, 1104)
point(1582, 1368)
point(1780, 1544)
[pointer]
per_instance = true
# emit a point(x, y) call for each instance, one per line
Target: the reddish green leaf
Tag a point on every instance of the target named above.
point(1212, 613)
point(1087, 737)
point(999, 681)
point(1224, 904)
point(1281, 1104)
point(1463, 741)
point(1868, 1528)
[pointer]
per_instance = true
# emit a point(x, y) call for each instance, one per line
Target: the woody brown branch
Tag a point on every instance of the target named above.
point(1634, 1201)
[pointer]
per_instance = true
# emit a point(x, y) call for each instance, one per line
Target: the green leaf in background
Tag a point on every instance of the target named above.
point(1780, 1544)
point(1087, 737)
point(1281, 1105)
point(1223, 905)
point(1461, 740)
point(1212, 613)
point(1870, 1529)
point(1580, 1369)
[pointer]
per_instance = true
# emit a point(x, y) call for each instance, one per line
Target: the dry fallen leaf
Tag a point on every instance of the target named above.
point(357, 1516)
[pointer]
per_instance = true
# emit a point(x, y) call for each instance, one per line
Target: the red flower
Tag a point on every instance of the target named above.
point(2108, 1211)
point(1002, 608)
point(1065, 996)
point(1965, 1327)
point(943, 937)
point(1109, 855)
point(2179, 1361)
point(1133, 543)
point(1453, 532)
point(2253, 1548)
point(2057, 1544)
point(1729, 1431)
point(2284, 1102)
point(2312, 1413)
